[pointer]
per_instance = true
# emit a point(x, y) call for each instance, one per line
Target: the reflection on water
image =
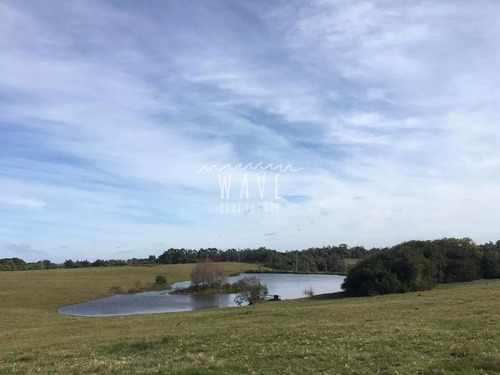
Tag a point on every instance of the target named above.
point(288, 286)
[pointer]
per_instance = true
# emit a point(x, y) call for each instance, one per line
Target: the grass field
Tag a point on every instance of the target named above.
point(454, 328)
point(351, 262)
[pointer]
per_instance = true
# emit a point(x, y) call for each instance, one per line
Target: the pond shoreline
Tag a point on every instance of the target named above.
point(296, 272)
point(286, 285)
point(193, 290)
point(139, 287)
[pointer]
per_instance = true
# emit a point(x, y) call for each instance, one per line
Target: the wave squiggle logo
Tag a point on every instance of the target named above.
point(266, 201)
point(244, 167)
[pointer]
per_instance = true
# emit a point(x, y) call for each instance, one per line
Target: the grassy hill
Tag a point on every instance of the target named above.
point(451, 329)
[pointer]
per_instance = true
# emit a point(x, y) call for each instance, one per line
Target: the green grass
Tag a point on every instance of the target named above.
point(351, 262)
point(454, 328)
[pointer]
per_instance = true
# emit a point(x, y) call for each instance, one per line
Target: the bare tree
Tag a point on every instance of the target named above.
point(207, 274)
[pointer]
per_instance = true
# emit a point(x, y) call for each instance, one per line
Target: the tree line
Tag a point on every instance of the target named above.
point(413, 265)
point(17, 264)
point(69, 263)
point(421, 265)
point(324, 259)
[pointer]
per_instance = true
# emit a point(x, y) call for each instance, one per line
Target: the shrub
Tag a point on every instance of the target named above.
point(160, 280)
point(251, 291)
point(309, 292)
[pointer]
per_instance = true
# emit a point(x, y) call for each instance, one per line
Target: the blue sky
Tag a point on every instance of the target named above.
point(109, 108)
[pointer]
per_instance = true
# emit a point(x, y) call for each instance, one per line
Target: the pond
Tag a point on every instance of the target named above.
point(288, 286)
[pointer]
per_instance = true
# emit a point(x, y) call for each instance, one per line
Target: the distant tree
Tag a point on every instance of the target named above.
point(84, 263)
point(99, 263)
point(48, 265)
point(10, 265)
point(325, 259)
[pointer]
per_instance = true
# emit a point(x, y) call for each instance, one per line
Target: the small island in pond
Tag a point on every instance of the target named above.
point(207, 278)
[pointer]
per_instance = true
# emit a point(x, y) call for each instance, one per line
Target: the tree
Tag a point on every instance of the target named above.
point(48, 265)
point(490, 263)
point(251, 291)
point(99, 263)
point(207, 274)
point(420, 265)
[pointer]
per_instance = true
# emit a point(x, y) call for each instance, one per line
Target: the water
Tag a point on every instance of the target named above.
point(288, 286)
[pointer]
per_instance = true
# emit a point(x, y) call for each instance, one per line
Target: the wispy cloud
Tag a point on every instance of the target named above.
point(107, 112)
point(17, 200)
point(20, 250)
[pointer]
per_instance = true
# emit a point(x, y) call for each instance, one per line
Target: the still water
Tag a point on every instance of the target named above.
point(288, 286)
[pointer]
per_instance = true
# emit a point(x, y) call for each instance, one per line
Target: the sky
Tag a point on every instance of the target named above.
point(373, 123)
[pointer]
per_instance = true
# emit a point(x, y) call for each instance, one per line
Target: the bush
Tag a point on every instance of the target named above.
point(160, 280)
point(420, 265)
point(251, 291)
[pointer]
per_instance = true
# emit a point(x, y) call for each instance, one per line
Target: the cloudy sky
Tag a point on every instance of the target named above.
point(108, 109)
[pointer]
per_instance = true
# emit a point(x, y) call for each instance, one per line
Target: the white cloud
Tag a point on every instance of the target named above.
point(363, 119)
point(112, 111)
point(18, 200)
point(20, 249)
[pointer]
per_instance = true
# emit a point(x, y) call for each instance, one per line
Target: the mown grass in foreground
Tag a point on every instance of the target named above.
point(451, 329)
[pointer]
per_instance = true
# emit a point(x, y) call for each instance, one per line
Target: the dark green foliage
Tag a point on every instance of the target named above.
point(160, 280)
point(420, 265)
point(451, 259)
point(325, 259)
point(111, 262)
point(16, 264)
point(99, 263)
point(397, 270)
point(462, 259)
point(490, 262)
point(81, 263)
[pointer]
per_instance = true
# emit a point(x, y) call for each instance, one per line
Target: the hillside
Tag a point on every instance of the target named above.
point(453, 328)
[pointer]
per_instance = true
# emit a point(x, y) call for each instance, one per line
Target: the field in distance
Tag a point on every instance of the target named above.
point(451, 329)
